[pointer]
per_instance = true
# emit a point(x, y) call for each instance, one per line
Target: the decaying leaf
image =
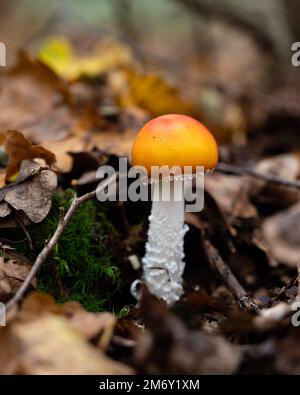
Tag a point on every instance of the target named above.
point(285, 166)
point(89, 324)
point(18, 148)
point(111, 142)
point(30, 92)
point(169, 347)
point(14, 273)
point(65, 352)
point(282, 233)
point(52, 339)
point(231, 194)
point(5, 210)
point(31, 193)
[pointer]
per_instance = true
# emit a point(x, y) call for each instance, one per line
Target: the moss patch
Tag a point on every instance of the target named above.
point(81, 266)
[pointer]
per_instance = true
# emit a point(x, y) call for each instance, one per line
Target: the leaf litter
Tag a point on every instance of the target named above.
point(65, 113)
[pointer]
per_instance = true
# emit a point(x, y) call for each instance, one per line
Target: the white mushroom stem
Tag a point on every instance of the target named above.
point(163, 262)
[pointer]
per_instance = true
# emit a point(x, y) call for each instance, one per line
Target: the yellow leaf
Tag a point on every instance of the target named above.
point(57, 54)
point(60, 56)
point(149, 92)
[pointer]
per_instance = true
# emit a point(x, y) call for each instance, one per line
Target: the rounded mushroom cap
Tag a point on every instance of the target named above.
point(174, 140)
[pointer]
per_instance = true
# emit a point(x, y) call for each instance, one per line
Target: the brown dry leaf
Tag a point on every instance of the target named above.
point(114, 142)
point(37, 304)
point(111, 142)
point(5, 210)
point(168, 347)
point(50, 345)
point(87, 324)
point(8, 354)
point(31, 193)
point(34, 197)
point(288, 354)
point(18, 148)
point(149, 92)
point(282, 234)
point(53, 339)
point(30, 92)
point(61, 149)
point(285, 166)
point(14, 272)
point(230, 194)
point(90, 324)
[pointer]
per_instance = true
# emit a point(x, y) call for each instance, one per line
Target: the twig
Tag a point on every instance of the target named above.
point(63, 222)
point(21, 225)
point(241, 171)
point(229, 279)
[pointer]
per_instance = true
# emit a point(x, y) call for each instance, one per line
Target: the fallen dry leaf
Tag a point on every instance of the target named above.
point(285, 166)
point(167, 346)
point(47, 338)
point(31, 193)
point(90, 324)
point(18, 148)
point(65, 352)
point(30, 92)
point(8, 354)
point(230, 192)
point(13, 272)
point(282, 234)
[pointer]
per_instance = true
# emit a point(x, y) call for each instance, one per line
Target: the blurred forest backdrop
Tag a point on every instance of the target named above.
point(82, 78)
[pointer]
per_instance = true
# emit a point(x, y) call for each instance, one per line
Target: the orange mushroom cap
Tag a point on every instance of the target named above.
point(174, 140)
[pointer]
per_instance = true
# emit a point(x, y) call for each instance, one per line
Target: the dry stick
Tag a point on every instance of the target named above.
point(241, 171)
point(63, 222)
point(231, 282)
point(22, 226)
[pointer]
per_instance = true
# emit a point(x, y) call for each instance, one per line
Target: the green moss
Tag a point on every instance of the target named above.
point(81, 266)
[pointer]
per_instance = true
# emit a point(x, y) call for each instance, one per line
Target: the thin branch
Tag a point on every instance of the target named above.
point(241, 171)
point(63, 222)
point(229, 279)
point(22, 226)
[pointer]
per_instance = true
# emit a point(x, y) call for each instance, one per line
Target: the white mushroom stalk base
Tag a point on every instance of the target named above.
point(163, 262)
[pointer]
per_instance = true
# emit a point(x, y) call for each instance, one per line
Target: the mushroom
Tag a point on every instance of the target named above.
point(175, 141)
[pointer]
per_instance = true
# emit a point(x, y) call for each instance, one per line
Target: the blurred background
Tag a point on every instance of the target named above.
point(230, 59)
